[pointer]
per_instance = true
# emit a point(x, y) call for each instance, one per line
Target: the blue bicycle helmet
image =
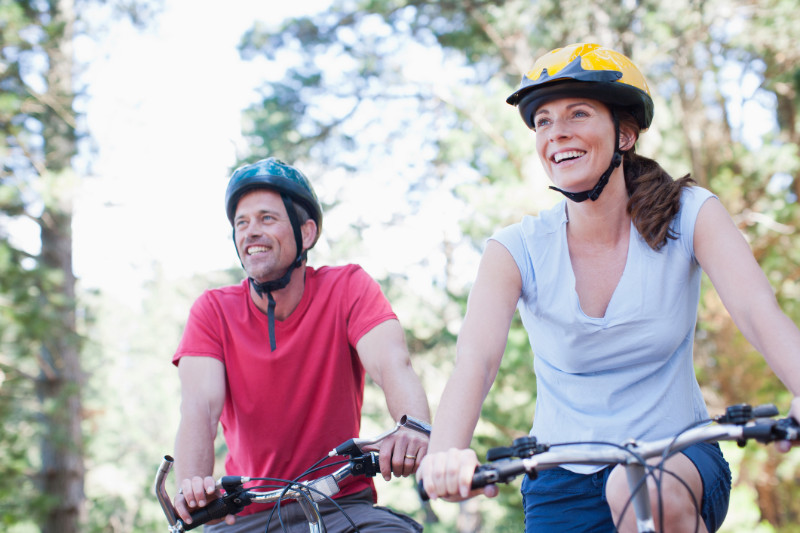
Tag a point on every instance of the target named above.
point(294, 188)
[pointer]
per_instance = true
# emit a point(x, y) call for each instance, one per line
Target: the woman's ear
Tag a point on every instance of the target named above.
point(628, 135)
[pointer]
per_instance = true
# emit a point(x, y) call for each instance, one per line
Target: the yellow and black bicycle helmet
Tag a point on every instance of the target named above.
point(590, 71)
point(585, 69)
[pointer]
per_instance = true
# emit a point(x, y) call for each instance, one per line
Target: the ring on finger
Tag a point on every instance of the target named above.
point(412, 457)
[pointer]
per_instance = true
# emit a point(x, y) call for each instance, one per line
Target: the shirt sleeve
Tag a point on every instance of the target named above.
point(692, 199)
point(201, 334)
point(368, 305)
point(513, 239)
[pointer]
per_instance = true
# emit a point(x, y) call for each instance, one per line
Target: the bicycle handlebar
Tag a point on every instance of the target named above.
point(236, 497)
point(526, 456)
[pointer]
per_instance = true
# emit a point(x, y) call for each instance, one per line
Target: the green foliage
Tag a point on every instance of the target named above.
point(410, 94)
point(698, 59)
point(132, 400)
point(41, 379)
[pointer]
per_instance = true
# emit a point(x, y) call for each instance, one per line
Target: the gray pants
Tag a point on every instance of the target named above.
point(367, 517)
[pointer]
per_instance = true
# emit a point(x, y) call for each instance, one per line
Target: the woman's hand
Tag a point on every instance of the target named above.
point(794, 412)
point(448, 475)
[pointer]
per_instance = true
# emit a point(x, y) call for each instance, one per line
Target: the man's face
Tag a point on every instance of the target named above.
point(263, 235)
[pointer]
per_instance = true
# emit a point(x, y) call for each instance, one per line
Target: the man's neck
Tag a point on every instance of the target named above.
point(286, 299)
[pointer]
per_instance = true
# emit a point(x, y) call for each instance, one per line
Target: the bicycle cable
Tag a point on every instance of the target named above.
point(316, 467)
point(650, 473)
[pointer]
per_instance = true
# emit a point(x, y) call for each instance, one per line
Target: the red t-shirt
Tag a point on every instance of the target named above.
point(286, 409)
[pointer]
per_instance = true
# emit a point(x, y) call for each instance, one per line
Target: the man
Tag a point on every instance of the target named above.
point(279, 360)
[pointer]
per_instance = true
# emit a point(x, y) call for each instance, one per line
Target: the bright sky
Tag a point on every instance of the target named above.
point(165, 113)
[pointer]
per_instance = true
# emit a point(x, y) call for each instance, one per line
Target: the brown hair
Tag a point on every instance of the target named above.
point(654, 197)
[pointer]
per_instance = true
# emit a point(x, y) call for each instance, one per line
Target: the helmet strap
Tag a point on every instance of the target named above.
point(594, 193)
point(277, 284)
point(268, 287)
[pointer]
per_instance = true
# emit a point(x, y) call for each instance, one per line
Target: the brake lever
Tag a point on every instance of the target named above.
point(355, 447)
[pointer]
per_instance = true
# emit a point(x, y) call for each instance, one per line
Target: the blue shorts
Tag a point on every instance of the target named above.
point(560, 500)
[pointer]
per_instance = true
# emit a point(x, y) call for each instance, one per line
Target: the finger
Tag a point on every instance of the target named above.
point(210, 485)
point(385, 461)
point(421, 453)
point(399, 460)
point(409, 463)
point(199, 492)
point(452, 473)
point(403, 456)
point(188, 493)
point(426, 475)
point(465, 481)
point(182, 509)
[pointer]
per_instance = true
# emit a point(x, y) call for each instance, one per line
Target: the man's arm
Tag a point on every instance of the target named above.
point(202, 398)
point(384, 354)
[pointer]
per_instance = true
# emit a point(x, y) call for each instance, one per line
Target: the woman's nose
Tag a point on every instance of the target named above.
point(558, 129)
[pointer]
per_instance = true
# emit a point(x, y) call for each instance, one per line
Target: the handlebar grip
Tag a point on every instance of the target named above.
point(772, 430)
point(219, 508)
point(765, 411)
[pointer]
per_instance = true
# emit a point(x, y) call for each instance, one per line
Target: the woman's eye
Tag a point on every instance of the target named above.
point(541, 122)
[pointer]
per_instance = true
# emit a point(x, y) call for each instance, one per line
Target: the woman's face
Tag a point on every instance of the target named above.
point(575, 141)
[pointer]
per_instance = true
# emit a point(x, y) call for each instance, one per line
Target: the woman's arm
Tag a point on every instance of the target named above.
point(448, 468)
point(746, 293)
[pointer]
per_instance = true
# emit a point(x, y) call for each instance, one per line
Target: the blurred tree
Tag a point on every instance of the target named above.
point(412, 91)
point(40, 343)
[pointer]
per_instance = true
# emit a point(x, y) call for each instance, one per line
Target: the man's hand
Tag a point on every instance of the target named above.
point(195, 493)
point(401, 453)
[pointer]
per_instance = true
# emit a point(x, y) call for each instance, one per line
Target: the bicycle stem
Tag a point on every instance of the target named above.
point(637, 484)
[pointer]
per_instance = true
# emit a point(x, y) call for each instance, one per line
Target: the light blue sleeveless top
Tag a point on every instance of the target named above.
point(630, 373)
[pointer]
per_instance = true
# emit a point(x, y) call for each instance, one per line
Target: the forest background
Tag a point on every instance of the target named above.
point(395, 109)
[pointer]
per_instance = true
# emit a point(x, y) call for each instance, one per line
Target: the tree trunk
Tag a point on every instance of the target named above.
point(60, 380)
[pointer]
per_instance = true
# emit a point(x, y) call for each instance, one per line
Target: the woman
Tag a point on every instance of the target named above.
point(607, 283)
